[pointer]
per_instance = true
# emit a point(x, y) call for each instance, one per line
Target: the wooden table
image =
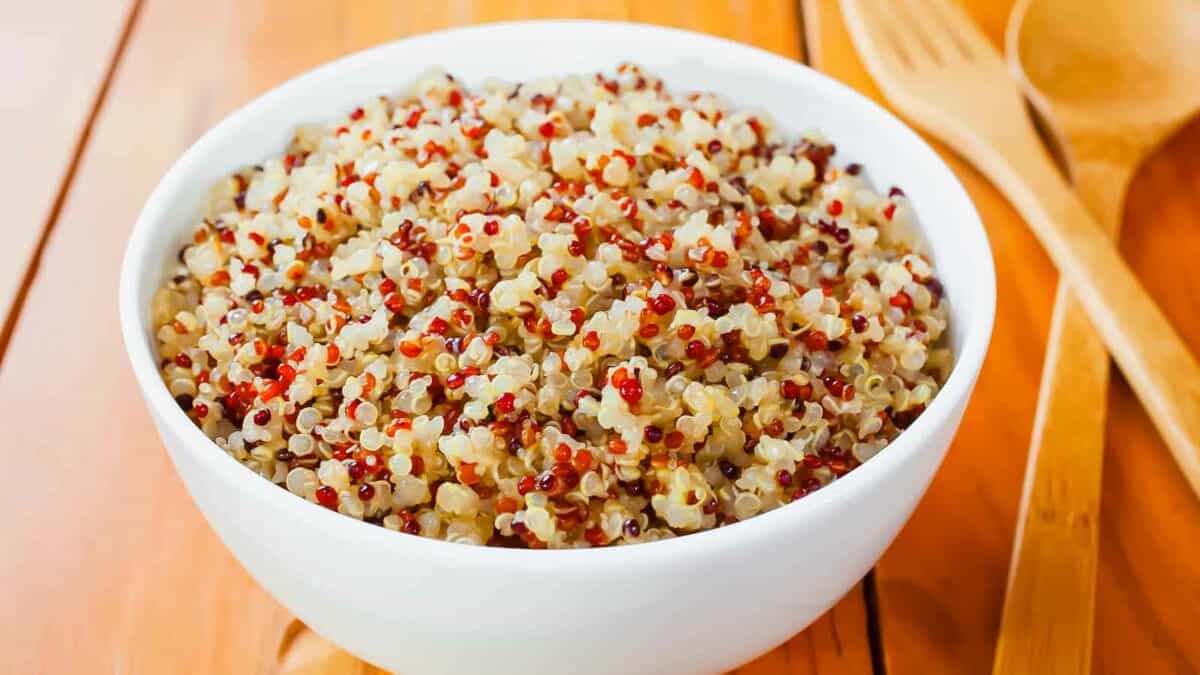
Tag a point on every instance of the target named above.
point(108, 567)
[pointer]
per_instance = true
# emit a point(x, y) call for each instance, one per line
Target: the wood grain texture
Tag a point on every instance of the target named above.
point(1148, 587)
point(942, 582)
point(1152, 356)
point(1049, 604)
point(53, 75)
point(1072, 73)
point(109, 567)
point(108, 547)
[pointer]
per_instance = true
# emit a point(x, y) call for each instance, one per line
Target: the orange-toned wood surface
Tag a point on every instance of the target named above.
point(107, 565)
point(941, 585)
point(56, 56)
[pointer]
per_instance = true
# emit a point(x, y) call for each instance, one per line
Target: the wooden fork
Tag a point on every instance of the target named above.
point(939, 70)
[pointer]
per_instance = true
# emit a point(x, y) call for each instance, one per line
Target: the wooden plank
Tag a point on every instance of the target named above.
point(109, 567)
point(941, 583)
point(103, 543)
point(1148, 583)
point(773, 25)
point(53, 76)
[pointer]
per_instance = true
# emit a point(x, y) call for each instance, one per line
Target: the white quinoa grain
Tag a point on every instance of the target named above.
point(584, 311)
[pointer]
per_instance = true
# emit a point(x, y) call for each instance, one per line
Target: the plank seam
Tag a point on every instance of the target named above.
point(874, 624)
point(803, 27)
point(68, 178)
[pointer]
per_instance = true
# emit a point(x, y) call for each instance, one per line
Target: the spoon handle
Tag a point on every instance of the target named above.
point(1047, 624)
point(1156, 363)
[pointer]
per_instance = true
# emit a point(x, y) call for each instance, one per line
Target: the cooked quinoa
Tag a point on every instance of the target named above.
point(570, 312)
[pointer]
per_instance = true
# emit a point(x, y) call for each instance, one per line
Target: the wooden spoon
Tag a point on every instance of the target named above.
point(1111, 80)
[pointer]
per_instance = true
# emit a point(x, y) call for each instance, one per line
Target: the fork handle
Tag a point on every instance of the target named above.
point(1047, 623)
point(1156, 363)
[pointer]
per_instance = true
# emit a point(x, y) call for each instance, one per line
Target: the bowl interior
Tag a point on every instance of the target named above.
point(795, 96)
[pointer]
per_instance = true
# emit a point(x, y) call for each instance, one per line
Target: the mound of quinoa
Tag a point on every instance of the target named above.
point(571, 312)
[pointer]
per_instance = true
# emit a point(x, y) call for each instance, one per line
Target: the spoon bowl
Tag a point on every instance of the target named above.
point(1111, 79)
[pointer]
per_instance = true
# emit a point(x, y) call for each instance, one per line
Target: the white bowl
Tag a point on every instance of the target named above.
point(701, 603)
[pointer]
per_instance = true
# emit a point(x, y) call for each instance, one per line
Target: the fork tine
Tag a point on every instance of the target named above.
point(912, 28)
point(874, 38)
point(884, 33)
point(954, 24)
point(931, 14)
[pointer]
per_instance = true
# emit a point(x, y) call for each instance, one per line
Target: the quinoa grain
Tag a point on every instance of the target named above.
point(592, 312)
